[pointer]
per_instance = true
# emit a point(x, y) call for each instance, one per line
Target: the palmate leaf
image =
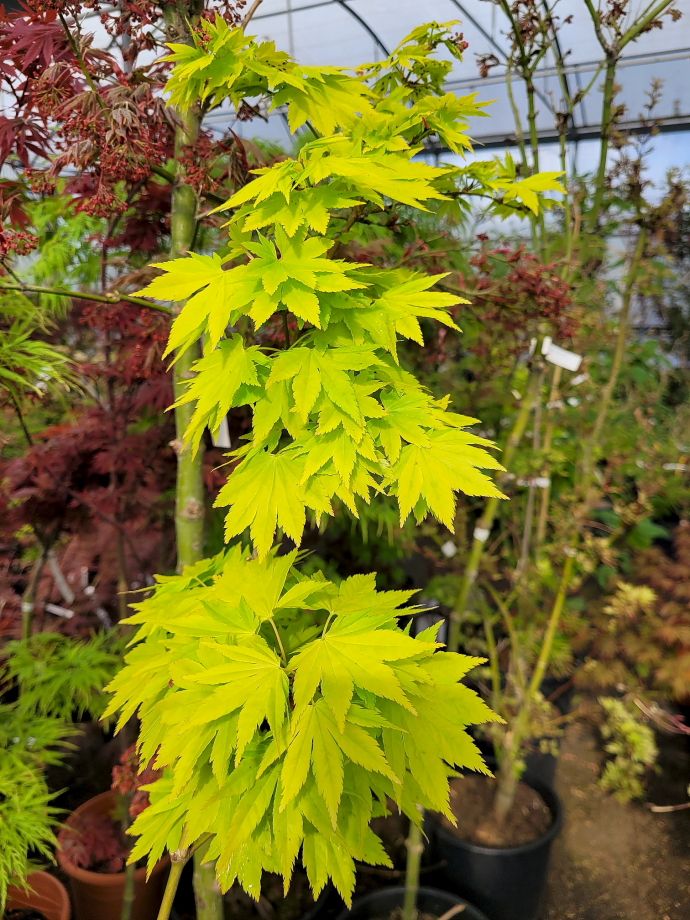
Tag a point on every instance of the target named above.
point(225, 377)
point(353, 653)
point(212, 295)
point(407, 445)
point(375, 174)
point(319, 744)
point(426, 477)
point(276, 278)
point(392, 309)
point(250, 680)
point(446, 116)
point(313, 369)
point(268, 748)
point(355, 172)
point(328, 98)
point(310, 210)
point(263, 495)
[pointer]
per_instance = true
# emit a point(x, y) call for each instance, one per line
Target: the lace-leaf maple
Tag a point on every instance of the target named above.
point(285, 710)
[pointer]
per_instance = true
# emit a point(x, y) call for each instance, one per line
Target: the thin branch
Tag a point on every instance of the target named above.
point(74, 45)
point(653, 12)
point(10, 271)
point(20, 417)
point(169, 177)
point(596, 23)
point(113, 297)
point(250, 13)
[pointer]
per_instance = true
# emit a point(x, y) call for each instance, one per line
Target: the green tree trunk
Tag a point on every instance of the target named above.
point(415, 848)
point(189, 495)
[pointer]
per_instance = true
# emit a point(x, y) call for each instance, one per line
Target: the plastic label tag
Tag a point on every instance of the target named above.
point(561, 357)
point(449, 549)
point(221, 437)
point(60, 611)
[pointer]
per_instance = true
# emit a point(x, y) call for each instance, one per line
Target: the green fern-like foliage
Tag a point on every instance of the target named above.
point(27, 363)
point(61, 677)
point(27, 820)
point(288, 711)
point(28, 739)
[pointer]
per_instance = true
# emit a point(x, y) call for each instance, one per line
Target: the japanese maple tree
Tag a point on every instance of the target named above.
point(311, 707)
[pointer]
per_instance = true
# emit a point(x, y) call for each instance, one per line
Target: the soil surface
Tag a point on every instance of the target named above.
point(471, 800)
point(272, 905)
point(397, 915)
point(614, 861)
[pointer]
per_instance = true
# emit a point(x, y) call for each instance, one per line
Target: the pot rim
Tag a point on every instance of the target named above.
point(400, 890)
point(102, 879)
point(57, 891)
point(52, 880)
point(551, 800)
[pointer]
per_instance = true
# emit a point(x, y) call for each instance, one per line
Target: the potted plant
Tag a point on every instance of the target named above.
point(286, 711)
point(498, 855)
point(40, 897)
point(27, 826)
point(93, 849)
point(35, 733)
point(410, 901)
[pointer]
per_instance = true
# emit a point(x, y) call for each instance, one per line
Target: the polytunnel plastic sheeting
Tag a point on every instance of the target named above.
point(349, 32)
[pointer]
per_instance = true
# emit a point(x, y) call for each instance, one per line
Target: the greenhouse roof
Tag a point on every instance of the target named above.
point(349, 32)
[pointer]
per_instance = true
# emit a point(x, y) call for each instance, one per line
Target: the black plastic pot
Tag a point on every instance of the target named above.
point(381, 904)
point(540, 768)
point(507, 883)
point(559, 692)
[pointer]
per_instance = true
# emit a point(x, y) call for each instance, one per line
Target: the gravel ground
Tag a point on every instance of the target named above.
point(614, 861)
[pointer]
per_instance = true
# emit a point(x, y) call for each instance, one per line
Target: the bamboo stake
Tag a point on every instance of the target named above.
point(488, 517)
point(543, 515)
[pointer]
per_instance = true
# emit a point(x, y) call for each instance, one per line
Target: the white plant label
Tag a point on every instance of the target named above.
point(221, 437)
point(561, 357)
point(449, 549)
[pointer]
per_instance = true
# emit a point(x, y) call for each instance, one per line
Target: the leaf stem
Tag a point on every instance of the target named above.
point(278, 639)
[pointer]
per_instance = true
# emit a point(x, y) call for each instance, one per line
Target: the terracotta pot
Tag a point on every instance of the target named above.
point(45, 894)
point(98, 895)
